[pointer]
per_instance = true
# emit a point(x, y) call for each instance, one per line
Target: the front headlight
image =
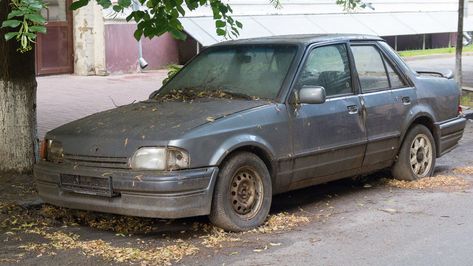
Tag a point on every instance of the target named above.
point(154, 158)
point(53, 151)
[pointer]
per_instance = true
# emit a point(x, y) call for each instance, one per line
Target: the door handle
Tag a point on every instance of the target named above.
point(406, 100)
point(352, 109)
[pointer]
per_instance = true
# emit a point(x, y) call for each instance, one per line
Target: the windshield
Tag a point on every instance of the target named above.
point(252, 72)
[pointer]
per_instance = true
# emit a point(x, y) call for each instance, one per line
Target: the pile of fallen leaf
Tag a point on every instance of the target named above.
point(463, 170)
point(215, 237)
point(282, 221)
point(152, 256)
point(445, 182)
point(108, 222)
point(45, 221)
point(189, 95)
point(14, 218)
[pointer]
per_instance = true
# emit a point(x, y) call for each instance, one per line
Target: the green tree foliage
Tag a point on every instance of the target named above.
point(172, 71)
point(157, 18)
point(26, 21)
point(352, 4)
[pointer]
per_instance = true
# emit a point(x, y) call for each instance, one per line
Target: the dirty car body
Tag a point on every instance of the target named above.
point(371, 100)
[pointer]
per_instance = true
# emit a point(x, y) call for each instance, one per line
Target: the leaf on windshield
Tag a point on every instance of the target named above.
point(188, 95)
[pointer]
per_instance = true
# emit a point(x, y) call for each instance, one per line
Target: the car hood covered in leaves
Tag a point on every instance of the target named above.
point(120, 131)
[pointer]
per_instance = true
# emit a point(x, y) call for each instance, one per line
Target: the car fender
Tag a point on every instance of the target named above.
point(418, 110)
point(239, 141)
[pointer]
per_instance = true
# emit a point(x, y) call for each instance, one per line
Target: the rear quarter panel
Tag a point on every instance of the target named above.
point(439, 95)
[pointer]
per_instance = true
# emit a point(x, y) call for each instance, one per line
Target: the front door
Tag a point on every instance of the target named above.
point(54, 54)
point(329, 139)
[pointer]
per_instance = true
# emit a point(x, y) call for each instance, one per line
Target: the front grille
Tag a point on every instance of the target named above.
point(97, 161)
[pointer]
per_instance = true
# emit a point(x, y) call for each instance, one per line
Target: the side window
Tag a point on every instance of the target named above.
point(327, 66)
point(396, 80)
point(370, 67)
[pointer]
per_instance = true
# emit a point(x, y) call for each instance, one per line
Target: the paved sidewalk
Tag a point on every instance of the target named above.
point(64, 98)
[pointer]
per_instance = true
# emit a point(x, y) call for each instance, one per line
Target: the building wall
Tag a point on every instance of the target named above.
point(187, 49)
point(121, 49)
point(415, 42)
point(89, 48)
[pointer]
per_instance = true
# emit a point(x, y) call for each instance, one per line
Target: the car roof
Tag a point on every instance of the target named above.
point(301, 39)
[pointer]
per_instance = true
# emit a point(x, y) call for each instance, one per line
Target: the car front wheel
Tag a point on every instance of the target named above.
point(242, 196)
point(417, 155)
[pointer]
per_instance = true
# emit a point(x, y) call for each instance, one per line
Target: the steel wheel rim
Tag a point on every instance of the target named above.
point(246, 192)
point(421, 155)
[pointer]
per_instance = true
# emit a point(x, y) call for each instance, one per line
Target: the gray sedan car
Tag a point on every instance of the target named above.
point(248, 119)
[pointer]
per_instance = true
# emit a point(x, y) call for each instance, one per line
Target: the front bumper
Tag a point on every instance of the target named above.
point(449, 134)
point(156, 194)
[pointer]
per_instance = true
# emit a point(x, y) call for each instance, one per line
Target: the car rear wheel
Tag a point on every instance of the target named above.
point(242, 196)
point(417, 155)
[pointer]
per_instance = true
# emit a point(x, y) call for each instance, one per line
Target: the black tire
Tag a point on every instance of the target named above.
point(243, 178)
point(409, 165)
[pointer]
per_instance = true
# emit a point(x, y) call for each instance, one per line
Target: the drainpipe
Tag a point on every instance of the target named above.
point(141, 61)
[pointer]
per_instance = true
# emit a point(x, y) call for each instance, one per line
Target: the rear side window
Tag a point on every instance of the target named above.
point(327, 66)
point(370, 67)
point(394, 78)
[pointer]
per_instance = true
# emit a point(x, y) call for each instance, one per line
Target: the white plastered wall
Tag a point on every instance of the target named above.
point(89, 40)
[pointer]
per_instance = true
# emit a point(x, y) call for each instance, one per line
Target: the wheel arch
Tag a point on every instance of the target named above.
point(427, 120)
point(252, 144)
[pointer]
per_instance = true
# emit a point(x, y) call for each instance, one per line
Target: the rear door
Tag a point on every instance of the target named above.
point(328, 139)
point(381, 110)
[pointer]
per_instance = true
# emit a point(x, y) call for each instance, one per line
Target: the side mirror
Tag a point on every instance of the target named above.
point(312, 94)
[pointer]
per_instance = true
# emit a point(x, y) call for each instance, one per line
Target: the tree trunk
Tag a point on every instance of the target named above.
point(17, 104)
point(459, 46)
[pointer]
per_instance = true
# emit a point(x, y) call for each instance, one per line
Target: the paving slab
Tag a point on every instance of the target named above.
point(64, 98)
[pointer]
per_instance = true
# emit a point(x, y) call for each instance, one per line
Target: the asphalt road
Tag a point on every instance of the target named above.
point(445, 62)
